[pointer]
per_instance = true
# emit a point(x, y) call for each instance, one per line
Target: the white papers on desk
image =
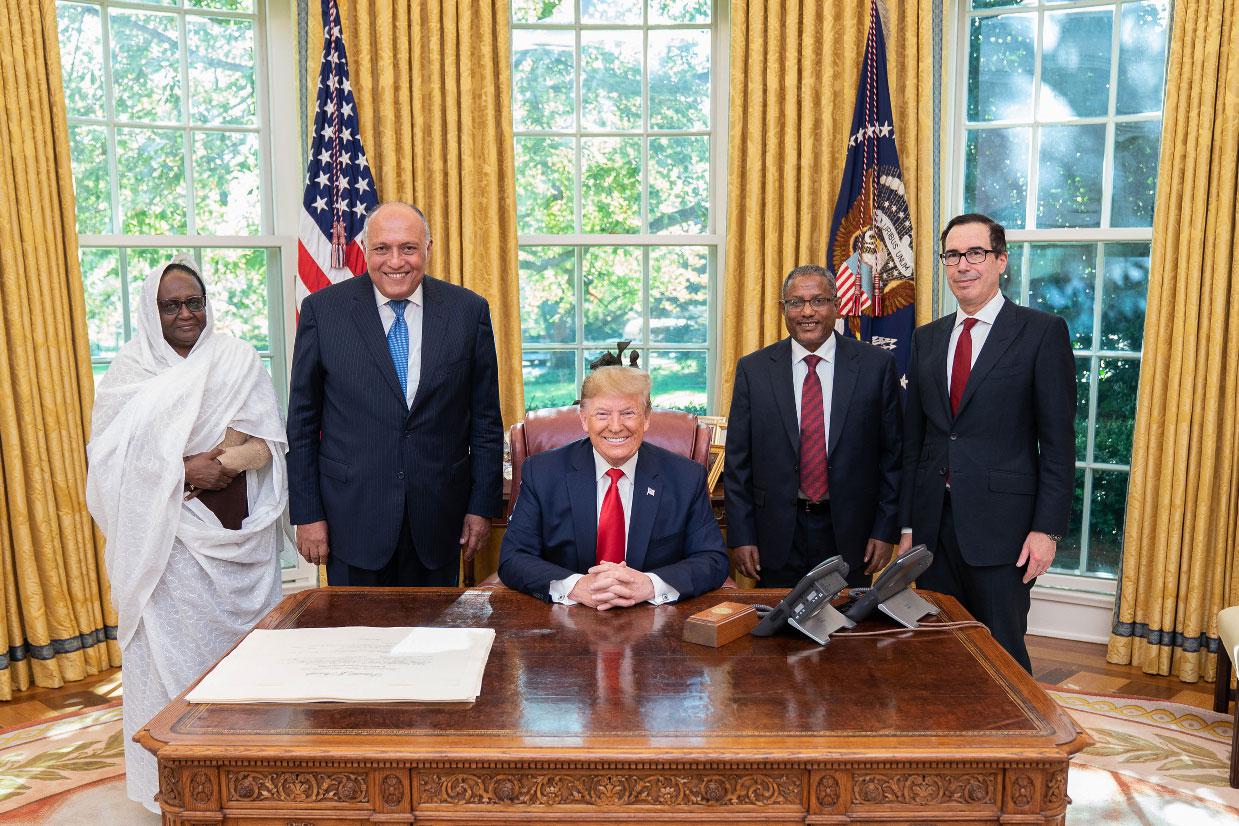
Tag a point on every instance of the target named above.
point(352, 665)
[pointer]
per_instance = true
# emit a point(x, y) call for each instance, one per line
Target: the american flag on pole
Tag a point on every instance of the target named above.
point(339, 189)
point(871, 230)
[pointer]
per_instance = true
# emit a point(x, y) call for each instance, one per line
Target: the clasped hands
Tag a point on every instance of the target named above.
point(612, 585)
point(203, 471)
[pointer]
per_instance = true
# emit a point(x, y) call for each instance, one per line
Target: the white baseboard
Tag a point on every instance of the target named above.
point(1074, 608)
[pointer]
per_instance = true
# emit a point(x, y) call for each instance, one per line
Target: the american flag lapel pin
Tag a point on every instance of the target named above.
point(649, 491)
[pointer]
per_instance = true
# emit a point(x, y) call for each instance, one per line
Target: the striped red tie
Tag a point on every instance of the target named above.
point(961, 364)
point(611, 522)
point(813, 482)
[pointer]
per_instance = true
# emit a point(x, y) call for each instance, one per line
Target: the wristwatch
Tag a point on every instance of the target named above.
point(1056, 537)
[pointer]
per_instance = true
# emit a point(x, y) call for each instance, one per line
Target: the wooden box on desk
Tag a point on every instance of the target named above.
point(721, 624)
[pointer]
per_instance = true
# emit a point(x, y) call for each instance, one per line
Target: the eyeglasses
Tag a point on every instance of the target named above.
point(195, 304)
point(817, 302)
point(975, 255)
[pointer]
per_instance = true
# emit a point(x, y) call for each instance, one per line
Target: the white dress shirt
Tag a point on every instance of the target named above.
point(980, 332)
point(825, 373)
point(560, 588)
point(412, 320)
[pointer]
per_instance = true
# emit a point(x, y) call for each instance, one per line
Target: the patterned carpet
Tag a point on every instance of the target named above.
point(1154, 762)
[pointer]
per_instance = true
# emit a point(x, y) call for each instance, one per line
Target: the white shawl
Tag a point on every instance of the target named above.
point(153, 408)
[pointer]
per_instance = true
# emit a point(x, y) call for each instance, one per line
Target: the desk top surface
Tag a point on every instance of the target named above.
point(622, 684)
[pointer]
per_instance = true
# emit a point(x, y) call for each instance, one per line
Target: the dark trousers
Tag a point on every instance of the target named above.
point(812, 542)
point(402, 570)
point(995, 594)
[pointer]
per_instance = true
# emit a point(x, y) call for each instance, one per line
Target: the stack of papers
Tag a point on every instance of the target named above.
point(350, 665)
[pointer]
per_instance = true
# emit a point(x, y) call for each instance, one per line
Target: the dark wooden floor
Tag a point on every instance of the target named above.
point(1069, 665)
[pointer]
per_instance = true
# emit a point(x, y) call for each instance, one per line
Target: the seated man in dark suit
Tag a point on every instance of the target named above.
point(607, 521)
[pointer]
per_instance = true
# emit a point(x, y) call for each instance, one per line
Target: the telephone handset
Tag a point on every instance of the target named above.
point(892, 595)
point(807, 607)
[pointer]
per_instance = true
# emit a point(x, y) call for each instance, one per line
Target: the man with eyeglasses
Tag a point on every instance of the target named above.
point(812, 462)
point(989, 438)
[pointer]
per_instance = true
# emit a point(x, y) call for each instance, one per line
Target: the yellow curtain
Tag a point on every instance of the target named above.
point(1180, 566)
point(433, 89)
point(55, 606)
point(794, 71)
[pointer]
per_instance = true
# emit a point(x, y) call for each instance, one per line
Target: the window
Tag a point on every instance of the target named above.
point(618, 140)
point(1059, 132)
point(167, 129)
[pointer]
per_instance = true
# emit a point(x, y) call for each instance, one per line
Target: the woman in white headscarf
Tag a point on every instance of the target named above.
point(187, 482)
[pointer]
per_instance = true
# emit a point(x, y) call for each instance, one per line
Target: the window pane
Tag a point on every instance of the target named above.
point(1105, 521)
point(550, 378)
point(679, 184)
point(1000, 67)
point(611, 80)
point(225, 5)
point(146, 66)
point(221, 71)
point(548, 298)
point(1069, 186)
point(679, 79)
point(995, 4)
point(81, 59)
point(544, 170)
point(1136, 148)
point(1123, 297)
point(543, 80)
point(1083, 374)
point(611, 184)
point(996, 174)
point(679, 11)
point(1075, 64)
point(105, 322)
point(227, 189)
point(612, 294)
point(1117, 381)
point(679, 290)
point(1067, 556)
point(89, 155)
point(535, 11)
point(1062, 278)
point(679, 379)
point(1011, 282)
point(236, 281)
point(151, 181)
point(611, 11)
point(1142, 57)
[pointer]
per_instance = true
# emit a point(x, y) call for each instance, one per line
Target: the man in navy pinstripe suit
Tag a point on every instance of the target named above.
point(394, 432)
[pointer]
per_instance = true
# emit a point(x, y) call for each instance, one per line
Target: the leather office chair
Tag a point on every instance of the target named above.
point(1227, 661)
point(554, 427)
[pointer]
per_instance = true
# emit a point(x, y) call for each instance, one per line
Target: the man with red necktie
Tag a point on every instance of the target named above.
point(812, 467)
point(609, 521)
point(989, 438)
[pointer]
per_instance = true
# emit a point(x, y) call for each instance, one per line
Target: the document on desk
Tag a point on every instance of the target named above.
point(351, 665)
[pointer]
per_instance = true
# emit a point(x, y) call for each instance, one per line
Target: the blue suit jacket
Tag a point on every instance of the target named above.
point(553, 531)
point(360, 457)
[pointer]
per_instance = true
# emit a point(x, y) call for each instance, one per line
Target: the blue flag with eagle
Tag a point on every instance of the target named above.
point(871, 231)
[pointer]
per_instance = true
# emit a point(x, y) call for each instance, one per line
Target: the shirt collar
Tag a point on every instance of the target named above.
point(826, 351)
point(416, 298)
point(601, 465)
point(986, 314)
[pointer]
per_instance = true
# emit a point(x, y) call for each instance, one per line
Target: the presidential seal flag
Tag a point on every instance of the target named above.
point(339, 189)
point(871, 231)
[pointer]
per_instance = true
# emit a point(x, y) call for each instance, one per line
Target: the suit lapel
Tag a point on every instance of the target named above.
point(644, 509)
point(781, 387)
point(937, 360)
point(434, 328)
point(583, 495)
point(1006, 327)
point(847, 369)
point(370, 328)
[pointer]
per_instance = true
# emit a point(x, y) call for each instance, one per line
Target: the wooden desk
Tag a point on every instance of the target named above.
point(589, 717)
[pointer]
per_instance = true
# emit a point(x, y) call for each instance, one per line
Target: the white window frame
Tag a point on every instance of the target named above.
point(714, 239)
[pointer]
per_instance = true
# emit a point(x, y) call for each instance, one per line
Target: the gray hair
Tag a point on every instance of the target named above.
point(365, 227)
point(806, 270)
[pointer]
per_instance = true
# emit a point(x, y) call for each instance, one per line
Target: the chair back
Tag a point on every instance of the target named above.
point(554, 427)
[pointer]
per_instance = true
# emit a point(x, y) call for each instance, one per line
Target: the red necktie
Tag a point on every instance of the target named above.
point(611, 522)
point(961, 365)
point(813, 480)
